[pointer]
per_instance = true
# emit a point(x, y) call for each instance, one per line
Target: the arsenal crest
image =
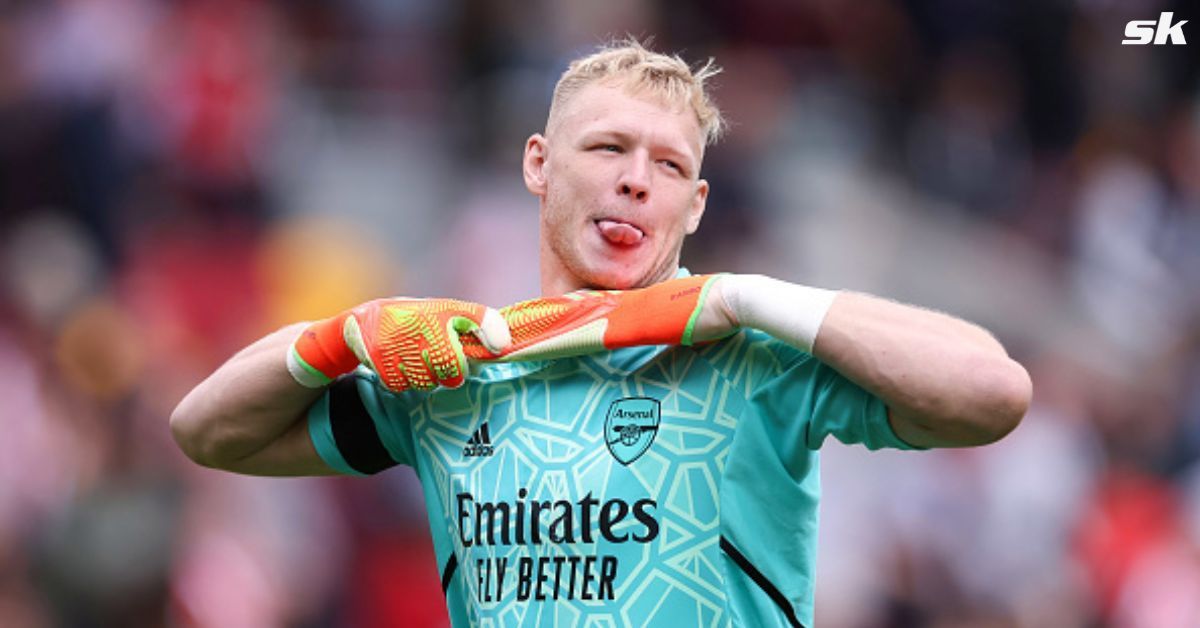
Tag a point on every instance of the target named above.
point(630, 427)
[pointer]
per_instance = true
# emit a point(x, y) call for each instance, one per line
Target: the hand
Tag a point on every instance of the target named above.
point(676, 312)
point(409, 343)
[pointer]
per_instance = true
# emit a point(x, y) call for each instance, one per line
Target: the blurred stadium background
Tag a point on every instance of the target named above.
point(180, 177)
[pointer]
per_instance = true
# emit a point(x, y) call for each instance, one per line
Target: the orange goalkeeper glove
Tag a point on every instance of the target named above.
point(588, 321)
point(420, 344)
point(409, 343)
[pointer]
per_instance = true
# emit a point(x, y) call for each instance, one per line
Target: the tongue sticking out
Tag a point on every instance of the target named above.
point(619, 232)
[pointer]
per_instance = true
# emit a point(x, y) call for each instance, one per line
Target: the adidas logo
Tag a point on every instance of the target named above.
point(480, 443)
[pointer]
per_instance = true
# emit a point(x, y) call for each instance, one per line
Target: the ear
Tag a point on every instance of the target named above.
point(696, 211)
point(534, 164)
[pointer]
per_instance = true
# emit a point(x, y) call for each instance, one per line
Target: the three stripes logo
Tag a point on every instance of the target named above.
point(480, 443)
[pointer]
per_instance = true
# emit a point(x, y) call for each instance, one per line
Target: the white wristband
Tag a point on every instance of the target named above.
point(788, 311)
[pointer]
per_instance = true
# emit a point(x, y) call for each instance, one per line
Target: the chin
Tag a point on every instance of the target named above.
point(603, 267)
point(611, 276)
point(605, 281)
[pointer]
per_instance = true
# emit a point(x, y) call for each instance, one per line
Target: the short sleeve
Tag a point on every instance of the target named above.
point(805, 390)
point(359, 428)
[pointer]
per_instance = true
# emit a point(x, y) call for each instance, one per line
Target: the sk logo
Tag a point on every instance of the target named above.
point(630, 427)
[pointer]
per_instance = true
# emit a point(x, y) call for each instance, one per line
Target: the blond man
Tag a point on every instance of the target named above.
point(638, 483)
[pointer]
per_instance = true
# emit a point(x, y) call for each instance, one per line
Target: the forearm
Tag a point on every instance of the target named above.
point(945, 382)
point(247, 405)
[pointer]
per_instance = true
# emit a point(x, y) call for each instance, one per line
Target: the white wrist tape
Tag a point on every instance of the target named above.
point(789, 312)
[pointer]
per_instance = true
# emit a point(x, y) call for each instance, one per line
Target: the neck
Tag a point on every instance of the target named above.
point(556, 279)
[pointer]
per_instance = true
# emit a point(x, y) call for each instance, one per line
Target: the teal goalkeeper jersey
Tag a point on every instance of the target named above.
point(652, 486)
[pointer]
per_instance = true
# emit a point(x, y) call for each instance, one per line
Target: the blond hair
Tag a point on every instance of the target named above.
point(630, 64)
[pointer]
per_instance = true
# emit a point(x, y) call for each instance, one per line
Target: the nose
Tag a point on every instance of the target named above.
point(635, 179)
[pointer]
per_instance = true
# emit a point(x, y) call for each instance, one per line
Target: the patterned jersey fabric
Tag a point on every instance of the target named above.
point(651, 486)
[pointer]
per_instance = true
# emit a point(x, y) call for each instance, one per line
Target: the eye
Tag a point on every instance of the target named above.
point(608, 148)
point(672, 165)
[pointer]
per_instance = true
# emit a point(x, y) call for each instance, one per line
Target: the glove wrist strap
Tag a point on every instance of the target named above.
point(320, 354)
point(790, 312)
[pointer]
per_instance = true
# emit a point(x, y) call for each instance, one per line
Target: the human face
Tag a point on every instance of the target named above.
point(617, 175)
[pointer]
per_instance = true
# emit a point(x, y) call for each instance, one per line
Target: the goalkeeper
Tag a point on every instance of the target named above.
point(641, 446)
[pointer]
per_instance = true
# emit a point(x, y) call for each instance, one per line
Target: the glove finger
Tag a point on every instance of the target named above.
point(431, 375)
point(448, 362)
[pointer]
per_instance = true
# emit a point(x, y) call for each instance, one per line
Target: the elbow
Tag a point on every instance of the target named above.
point(988, 403)
point(1004, 399)
point(193, 439)
point(184, 433)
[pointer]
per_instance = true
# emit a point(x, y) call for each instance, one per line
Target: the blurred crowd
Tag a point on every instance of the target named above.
point(179, 177)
